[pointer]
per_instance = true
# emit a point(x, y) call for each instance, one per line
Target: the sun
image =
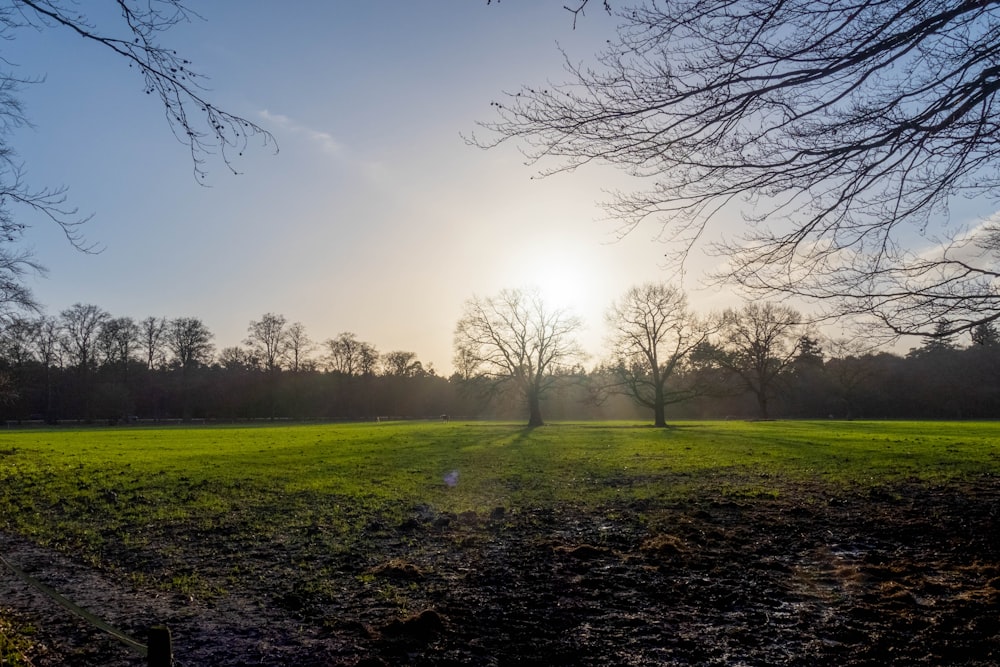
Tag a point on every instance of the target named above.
point(561, 286)
point(564, 279)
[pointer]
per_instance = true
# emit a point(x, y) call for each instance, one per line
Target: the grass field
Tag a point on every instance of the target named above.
point(165, 506)
point(78, 488)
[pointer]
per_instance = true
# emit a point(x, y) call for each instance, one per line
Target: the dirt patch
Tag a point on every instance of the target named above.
point(908, 575)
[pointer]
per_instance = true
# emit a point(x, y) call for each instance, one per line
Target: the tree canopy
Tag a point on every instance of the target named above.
point(516, 338)
point(841, 131)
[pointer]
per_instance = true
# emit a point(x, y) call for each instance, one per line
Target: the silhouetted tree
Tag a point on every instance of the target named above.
point(236, 358)
point(942, 340)
point(118, 341)
point(81, 324)
point(808, 394)
point(401, 364)
point(48, 351)
point(851, 372)
point(16, 299)
point(759, 341)
point(652, 334)
point(514, 338)
point(267, 339)
point(190, 342)
point(841, 129)
point(985, 334)
point(299, 346)
point(16, 341)
point(152, 334)
point(349, 356)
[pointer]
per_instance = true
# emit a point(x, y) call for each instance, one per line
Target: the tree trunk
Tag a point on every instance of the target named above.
point(534, 409)
point(659, 409)
point(762, 404)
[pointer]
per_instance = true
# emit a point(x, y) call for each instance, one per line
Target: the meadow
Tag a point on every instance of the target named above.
point(351, 528)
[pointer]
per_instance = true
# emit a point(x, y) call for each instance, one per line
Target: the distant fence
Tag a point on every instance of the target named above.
point(158, 651)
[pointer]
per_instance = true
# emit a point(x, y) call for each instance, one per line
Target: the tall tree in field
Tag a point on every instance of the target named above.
point(48, 350)
point(759, 342)
point(299, 346)
point(851, 370)
point(842, 130)
point(153, 335)
point(515, 339)
point(17, 338)
point(117, 341)
point(81, 325)
point(652, 335)
point(267, 339)
point(190, 342)
point(401, 364)
point(349, 356)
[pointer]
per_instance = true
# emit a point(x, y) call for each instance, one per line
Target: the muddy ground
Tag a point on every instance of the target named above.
point(908, 575)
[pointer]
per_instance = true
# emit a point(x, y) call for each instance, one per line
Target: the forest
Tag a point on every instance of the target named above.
point(86, 365)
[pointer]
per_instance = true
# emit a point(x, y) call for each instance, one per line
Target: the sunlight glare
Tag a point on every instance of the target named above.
point(561, 275)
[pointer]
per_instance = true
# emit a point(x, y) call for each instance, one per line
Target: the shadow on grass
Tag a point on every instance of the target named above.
point(637, 427)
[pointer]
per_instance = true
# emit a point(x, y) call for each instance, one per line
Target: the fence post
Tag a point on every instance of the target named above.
point(159, 651)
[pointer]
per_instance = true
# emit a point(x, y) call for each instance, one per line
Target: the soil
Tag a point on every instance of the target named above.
point(908, 575)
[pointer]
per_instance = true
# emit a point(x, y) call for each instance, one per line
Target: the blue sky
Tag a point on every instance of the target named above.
point(375, 216)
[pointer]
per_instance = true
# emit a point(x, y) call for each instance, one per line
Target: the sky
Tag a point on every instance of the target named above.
point(375, 216)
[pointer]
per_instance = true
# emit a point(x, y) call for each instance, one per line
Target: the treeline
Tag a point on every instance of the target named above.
point(87, 365)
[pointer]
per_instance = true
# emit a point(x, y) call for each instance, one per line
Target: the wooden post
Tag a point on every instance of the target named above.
point(160, 653)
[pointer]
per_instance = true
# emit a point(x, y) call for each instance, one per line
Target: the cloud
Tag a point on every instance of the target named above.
point(374, 172)
point(324, 141)
point(976, 244)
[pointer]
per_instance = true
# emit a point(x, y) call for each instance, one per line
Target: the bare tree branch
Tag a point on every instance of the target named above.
point(841, 131)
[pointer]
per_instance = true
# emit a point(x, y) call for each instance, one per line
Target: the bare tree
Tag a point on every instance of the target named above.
point(760, 341)
point(349, 356)
point(268, 339)
point(81, 324)
point(515, 338)
point(401, 364)
point(842, 130)
point(152, 333)
point(190, 341)
point(17, 338)
point(133, 35)
point(48, 350)
point(852, 370)
point(118, 341)
point(47, 342)
point(236, 358)
point(985, 335)
point(299, 346)
point(653, 334)
point(16, 300)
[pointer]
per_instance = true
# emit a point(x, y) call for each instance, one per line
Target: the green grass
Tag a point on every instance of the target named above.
point(15, 643)
point(134, 490)
point(198, 510)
